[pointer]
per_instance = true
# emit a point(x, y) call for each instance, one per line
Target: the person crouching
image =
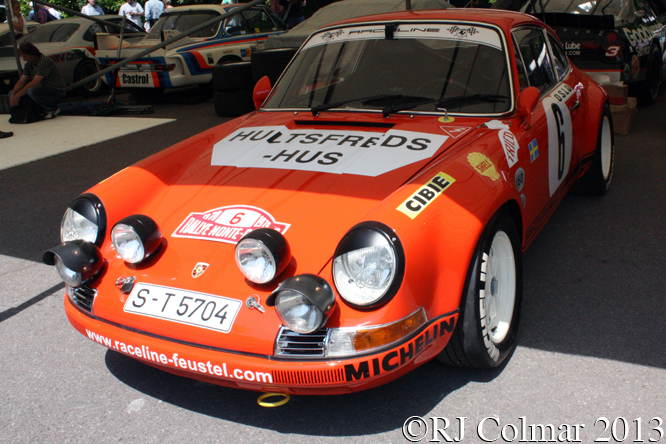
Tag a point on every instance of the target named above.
point(41, 81)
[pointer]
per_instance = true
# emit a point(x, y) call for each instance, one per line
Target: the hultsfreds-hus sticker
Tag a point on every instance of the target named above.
point(353, 152)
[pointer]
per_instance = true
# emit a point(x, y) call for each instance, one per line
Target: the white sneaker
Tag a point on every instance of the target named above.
point(52, 114)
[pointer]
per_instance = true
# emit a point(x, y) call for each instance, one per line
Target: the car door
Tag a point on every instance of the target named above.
point(547, 156)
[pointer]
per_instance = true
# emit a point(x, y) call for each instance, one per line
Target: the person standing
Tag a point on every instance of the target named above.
point(41, 81)
point(154, 8)
point(92, 9)
point(133, 11)
point(41, 15)
point(293, 11)
point(18, 21)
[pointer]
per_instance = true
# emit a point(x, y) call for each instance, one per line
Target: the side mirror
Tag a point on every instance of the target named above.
point(261, 91)
point(527, 100)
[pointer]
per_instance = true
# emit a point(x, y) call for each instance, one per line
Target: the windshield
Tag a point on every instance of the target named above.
point(51, 33)
point(185, 21)
point(435, 68)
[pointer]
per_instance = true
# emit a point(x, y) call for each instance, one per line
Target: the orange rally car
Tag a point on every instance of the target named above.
point(368, 217)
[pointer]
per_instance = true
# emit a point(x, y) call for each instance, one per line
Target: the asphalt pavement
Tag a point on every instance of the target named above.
point(590, 361)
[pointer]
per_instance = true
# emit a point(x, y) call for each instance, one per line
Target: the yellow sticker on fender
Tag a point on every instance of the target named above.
point(425, 195)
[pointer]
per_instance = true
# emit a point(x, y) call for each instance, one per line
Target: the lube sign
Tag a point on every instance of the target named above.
point(363, 153)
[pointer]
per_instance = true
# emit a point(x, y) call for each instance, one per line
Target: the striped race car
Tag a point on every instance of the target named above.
point(189, 61)
point(70, 42)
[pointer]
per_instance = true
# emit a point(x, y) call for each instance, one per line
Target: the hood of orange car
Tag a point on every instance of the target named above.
point(312, 181)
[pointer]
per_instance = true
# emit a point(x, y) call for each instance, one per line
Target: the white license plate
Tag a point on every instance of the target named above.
point(187, 307)
point(139, 80)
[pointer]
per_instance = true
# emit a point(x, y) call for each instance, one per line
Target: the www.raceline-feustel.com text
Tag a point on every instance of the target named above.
point(493, 429)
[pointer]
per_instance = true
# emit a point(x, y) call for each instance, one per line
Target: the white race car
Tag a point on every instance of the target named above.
point(71, 43)
point(190, 61)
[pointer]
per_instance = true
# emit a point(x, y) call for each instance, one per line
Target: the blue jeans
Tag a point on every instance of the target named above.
point(47, 98)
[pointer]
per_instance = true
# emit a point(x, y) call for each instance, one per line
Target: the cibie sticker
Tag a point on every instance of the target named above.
point(510, 145)
point(425, 195)
point(363, 153)
point(227, 224)
point(483, 165)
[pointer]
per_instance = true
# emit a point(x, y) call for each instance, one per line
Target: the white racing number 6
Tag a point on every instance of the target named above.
point(559, 140)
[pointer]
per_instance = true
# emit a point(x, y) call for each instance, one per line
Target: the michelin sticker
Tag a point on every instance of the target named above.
point(327, 151)
point(560, 139)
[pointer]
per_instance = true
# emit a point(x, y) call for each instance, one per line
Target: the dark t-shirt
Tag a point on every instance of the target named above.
point(296, 8)
point(45, 67)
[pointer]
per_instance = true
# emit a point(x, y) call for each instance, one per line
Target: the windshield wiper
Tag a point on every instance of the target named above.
point(409, 102)
point(370, 100)
point(439, 104)
point(470, 100)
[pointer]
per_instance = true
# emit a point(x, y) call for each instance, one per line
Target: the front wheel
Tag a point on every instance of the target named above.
point(490, 307)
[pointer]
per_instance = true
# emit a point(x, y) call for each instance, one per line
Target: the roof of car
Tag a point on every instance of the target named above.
point(219, 8)
point(505, 19)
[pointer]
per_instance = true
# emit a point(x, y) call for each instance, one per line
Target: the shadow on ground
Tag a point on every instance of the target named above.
point(368, 412)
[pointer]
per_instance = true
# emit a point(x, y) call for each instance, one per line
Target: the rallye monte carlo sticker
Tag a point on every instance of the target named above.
point(475, 33)
point(560, 136)
point(364, 153)
point(227, 224)
point(413, 206)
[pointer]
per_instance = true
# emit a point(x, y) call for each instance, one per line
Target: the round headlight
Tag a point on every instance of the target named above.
point(262, 254)
point(127, 243)
point(69, 277)
point(136, 238)
point(303, 302)
point(368, 265)
point(298, 313)
point(77, 262)
point(85, 219)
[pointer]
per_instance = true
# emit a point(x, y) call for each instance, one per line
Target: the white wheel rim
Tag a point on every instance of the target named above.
point(500, 289)
point(606, 148)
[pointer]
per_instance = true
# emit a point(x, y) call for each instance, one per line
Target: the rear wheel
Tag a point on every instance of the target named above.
point(86, 68)
point(597, 179)
point(490, 307)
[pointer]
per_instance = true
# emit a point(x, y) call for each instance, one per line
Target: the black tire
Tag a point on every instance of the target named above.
point(233, 77)
point(647, 91)
point(85, 68)
point(233, 103)
point(597, 179)
point(271, 63)
point(494, 277)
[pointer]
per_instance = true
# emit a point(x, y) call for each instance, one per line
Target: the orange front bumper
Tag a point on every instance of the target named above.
point(268, 373)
